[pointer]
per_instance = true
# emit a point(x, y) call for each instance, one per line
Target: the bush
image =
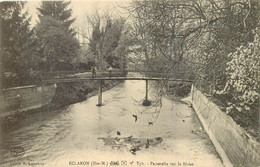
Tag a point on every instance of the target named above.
point(242, 77)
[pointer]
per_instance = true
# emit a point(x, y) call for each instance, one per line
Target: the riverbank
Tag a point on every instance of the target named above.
point(222, 129)
point(70, 93)
point(64, 95)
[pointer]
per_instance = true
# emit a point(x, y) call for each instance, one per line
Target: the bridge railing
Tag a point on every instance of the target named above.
point(36, 77)
point(177, 75)
point(115, 73)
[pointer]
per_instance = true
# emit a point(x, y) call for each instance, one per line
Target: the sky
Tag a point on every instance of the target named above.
point(80, 9)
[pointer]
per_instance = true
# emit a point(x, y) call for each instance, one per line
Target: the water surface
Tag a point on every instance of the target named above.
point(57, 138)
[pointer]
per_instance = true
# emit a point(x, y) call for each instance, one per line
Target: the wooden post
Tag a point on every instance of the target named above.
point(146, 102)
point(146, 90)
point(100, 94)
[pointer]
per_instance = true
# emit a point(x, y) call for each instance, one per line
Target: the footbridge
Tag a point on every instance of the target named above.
point(103, 76)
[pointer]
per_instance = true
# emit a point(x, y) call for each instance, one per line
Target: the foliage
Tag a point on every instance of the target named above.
point(55, 42)
point(104, 41)
point(242, 76)
point(192, 35)
point(236, 20)
point(58, 11)
point(203, 39)
point(122, 51)
point(17, 43)
point(85, 59)
point(114, 31)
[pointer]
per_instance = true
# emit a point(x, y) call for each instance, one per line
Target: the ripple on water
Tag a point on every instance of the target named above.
point(72, 134)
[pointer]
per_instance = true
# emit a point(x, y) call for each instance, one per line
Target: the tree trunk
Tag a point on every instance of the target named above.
point(1, 76)
point(52, 64)
point(50, 67)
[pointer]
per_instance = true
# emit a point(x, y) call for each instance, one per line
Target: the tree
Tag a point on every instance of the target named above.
point(104, 39)
point(55, 36)
point(55, 42)
point(16, 38)
point(58, 11)
point(242, 77)
point(233, 28)
point(194, 36)
point(164, 30)
point(123, 49)
point(114, 30)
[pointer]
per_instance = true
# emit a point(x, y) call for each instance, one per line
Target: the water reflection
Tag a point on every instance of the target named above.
point(57, 137)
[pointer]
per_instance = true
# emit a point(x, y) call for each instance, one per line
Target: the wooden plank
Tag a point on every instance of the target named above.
point(115, 78)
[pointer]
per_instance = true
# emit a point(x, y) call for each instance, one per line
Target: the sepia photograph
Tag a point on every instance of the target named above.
point(130, 83)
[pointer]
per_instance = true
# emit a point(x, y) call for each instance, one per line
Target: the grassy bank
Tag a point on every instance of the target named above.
point(69, 93)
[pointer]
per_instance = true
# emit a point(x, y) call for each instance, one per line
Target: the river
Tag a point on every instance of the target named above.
point(72, 135)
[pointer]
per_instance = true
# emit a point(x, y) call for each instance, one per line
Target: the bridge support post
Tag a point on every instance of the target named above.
point(99, 94)
point(146, 89)
point(146, 102)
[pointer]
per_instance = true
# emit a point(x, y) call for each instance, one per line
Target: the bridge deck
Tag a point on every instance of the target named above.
point(61, 80)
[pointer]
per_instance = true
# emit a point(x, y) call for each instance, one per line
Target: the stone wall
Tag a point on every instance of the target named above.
point(24, 98)
point(18, 99)
point(234, 145)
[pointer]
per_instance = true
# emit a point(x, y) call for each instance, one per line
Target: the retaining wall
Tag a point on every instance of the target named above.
point(24, 98)
point(234, 145)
